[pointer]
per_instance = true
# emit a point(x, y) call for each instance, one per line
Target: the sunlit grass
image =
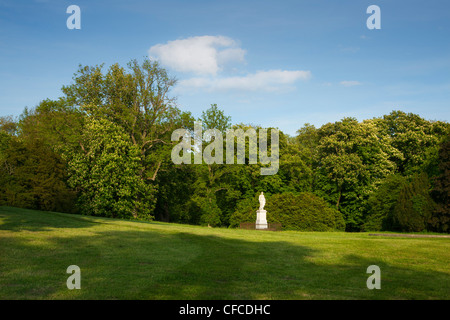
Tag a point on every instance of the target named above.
point(139, 260)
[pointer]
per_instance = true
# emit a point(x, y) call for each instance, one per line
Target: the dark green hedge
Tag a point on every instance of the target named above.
point(304, 211)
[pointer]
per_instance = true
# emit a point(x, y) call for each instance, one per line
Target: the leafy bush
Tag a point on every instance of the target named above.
point(304, 211)
point(245, 211)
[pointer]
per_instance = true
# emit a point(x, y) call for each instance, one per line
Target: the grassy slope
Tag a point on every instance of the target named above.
point(136, 260)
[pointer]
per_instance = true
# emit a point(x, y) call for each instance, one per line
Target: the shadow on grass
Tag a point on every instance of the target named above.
point(155, 264)
point(17, 219)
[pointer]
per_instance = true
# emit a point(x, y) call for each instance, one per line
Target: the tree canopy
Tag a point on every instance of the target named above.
point(104, 148)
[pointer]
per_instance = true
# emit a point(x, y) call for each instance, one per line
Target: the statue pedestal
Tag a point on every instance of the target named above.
point(261, 221)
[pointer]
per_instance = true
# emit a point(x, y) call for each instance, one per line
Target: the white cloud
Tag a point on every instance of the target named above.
point(202, 55)
point(271, 80)
point(350, 83)
point(208, 56)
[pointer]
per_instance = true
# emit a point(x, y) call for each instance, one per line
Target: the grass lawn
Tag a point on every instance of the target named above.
point(138, 260)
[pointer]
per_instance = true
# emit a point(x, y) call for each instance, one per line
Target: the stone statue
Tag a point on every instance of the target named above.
point(261, 221)
point(262, 201)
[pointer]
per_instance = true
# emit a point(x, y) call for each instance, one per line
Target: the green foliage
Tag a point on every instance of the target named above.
point(382, 203)
point(298, 160)
point(353, 158)
point(412, 136)
point(414, 205)
point(114, 175)
point(176, 186)
point(136, 100)
point(210, 213)
point(440, 220)
point(55, 123)
point(245, 211)
point(304, 211)
point(107, 174)
point(402, 204)
point(8, 125)
point(214, 118)
point(110, 133)
point(33, 176)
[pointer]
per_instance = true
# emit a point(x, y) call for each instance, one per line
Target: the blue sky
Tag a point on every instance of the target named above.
point(270, 63)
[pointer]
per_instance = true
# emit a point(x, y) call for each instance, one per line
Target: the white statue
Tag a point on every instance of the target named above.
point(261, 221)
point(262, 201)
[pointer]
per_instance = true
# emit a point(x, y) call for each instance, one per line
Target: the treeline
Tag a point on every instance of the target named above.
point(104, 149)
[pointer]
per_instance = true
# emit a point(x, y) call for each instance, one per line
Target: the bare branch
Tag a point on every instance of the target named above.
point(156, 172)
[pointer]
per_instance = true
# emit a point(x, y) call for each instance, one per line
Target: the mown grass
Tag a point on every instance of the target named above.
point(138, 260)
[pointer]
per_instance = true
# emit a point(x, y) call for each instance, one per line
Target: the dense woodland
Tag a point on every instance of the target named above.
point(104, 149)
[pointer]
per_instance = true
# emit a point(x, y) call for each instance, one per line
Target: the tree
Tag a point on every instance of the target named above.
point(304, 158)
point(353, 158)
point(133, 101)
point(33, 176)
point(414, 205)
point(440, 219)
point(8, 125)
point(382, 202)
point(57, 124)
point(212, 176)
point(107, 174)
point(413, 136)
point(176, 186)
point(137, 101)
point(214, 118)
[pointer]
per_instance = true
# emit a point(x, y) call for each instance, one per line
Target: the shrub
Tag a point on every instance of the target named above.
point(245, 211)
point(304, 211)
